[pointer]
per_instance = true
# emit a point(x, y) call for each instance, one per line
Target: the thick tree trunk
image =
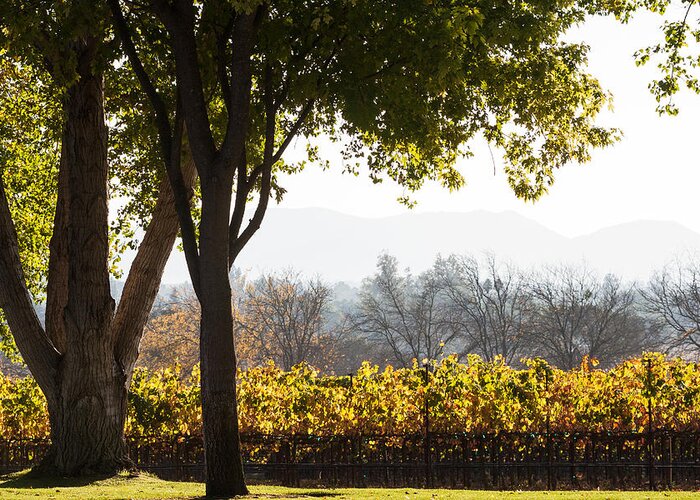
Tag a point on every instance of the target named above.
point(224, 468)
point(87, 423)
point(88, 409)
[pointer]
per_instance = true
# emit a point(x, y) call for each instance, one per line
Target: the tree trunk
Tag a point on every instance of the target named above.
point(88, 409)
point(224, 468)
point(87, 424)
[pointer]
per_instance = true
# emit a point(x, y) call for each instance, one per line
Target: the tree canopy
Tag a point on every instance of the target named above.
point(403, 86)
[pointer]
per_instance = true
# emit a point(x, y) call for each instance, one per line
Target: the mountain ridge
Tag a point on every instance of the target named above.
point(344, 247)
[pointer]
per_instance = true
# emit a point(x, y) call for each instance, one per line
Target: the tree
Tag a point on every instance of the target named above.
point(284, 318)
point(491, 306)
point(172, 332)
point(407, 313)
point(672, 298)
point(84, 356)
point(404, 84)
point(576, 314)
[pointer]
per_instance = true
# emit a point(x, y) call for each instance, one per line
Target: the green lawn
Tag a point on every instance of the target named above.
point(19, 486)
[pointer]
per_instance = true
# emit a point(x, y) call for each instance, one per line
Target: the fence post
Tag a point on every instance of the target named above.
point(548, 431)
point(650, 431)
point(426, 426)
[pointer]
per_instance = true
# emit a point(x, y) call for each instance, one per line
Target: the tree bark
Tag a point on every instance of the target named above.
point(88, 410)
point(37, 350)
point(224, 468)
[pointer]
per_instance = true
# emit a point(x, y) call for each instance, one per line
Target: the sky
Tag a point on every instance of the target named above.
point(652, 174)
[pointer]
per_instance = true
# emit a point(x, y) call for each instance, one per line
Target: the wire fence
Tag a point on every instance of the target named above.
point(659, 460)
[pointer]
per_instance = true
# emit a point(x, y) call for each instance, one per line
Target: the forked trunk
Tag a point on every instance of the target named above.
point(84, 358)
point(224, 469)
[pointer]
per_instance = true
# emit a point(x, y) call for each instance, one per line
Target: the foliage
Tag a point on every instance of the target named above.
point(172, 333)
point(29, 156)
point(161, 404)
point(23, 411)
point(675, 53)
point(405, 86)
point(475, 396)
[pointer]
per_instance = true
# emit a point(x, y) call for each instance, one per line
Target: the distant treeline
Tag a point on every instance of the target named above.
point(462, 305)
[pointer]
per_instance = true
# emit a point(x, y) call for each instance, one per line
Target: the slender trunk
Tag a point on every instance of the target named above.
point(224, 468)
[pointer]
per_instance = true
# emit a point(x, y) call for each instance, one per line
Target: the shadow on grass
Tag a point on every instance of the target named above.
point(285, 496)
point(297, 494)
point(301, 494)
point(32, 480)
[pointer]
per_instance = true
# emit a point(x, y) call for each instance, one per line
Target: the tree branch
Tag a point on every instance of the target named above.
point(236, 243)
point(38, 352)
point(221, 40)
point(146, 272)
point(294, 130)
point(180, 22)
point(243, 41)
point(182, 201)
point(243, 187)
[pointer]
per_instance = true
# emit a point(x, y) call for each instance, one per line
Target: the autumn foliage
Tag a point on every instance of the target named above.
point(474, 396)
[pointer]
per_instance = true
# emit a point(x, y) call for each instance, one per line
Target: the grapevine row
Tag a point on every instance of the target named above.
point(473, 396)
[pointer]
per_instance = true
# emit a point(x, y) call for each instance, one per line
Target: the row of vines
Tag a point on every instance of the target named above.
point(474, 396)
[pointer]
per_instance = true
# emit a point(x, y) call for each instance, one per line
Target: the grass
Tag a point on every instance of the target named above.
point(21, 486)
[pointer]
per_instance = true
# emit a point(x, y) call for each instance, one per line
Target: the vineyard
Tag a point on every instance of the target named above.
point(471, 397)
point(473, 424)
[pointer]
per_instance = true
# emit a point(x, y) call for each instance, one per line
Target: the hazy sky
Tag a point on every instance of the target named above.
point(651, 174)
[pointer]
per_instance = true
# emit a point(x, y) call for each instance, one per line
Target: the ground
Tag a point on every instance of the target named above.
point(19, 486)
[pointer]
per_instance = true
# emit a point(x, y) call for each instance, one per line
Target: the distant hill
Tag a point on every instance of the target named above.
point(340, 247)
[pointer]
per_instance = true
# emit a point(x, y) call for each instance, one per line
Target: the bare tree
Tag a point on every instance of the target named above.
point(407, 313)
point(578, 314)
point(172, 332)
point(490, 305)
point(672, 299)
point(285, 318)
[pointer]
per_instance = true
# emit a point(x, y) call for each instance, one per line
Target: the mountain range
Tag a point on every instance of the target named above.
point(340, 247)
